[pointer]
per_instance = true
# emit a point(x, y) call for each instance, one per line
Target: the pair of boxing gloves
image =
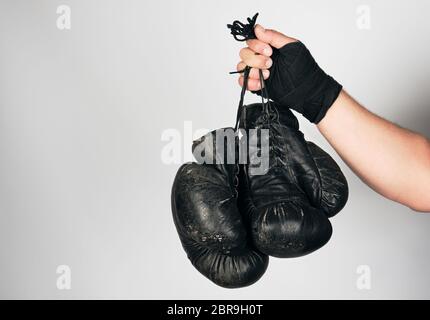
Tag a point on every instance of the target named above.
point(230, 219)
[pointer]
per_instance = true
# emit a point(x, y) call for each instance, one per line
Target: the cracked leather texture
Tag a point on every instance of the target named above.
point(210, 224)
point(287, 209)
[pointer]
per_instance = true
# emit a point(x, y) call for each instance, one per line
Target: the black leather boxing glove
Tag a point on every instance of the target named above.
point(297, 82)
point(332, 194)
point(209, 224)
point(288, 207)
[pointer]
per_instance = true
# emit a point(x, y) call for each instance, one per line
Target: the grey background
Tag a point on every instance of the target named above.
point(81, 116)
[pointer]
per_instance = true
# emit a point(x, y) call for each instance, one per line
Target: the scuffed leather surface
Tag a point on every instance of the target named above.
point(334, 187)
point(288, 208)
point(211, 227)
point(297, 82)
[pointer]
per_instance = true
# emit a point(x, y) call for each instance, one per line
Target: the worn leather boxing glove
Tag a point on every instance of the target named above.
point(297, 82)
point(209, 224)
point(288, 207)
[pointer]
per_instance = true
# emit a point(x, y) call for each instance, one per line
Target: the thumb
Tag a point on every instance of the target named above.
point(272, 37)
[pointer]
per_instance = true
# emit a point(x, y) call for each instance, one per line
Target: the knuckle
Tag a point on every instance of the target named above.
point(255, 46)
point(243, 52)
point(255, 85)
point(250, 42)
point(253, 74)
point(262, 62)
point(259, 47)
point(240, 80)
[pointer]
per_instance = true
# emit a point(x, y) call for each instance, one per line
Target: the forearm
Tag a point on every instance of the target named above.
point(394, 161)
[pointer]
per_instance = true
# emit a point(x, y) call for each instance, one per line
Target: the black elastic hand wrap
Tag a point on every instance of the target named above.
point(296, 81)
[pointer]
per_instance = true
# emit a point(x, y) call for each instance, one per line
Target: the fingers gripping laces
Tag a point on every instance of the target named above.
point(269, 113)
point(243, 32)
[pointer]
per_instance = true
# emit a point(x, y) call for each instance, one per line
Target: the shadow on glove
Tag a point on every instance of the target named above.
point(208, 221)
point(287, 208)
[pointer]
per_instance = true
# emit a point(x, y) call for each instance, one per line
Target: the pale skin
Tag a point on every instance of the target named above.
point(393, 161)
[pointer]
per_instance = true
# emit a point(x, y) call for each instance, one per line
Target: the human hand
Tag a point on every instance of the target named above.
point(257, 54)
point(292, 77)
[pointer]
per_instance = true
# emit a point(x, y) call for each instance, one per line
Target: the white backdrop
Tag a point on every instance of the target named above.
point(82, 112)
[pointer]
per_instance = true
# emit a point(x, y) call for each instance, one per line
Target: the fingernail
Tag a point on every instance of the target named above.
point(269, 63)
point(266, 51)
point(266, 74)
point(261, 27)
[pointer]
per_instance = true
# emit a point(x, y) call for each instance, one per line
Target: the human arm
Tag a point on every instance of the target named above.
point(392, 160)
